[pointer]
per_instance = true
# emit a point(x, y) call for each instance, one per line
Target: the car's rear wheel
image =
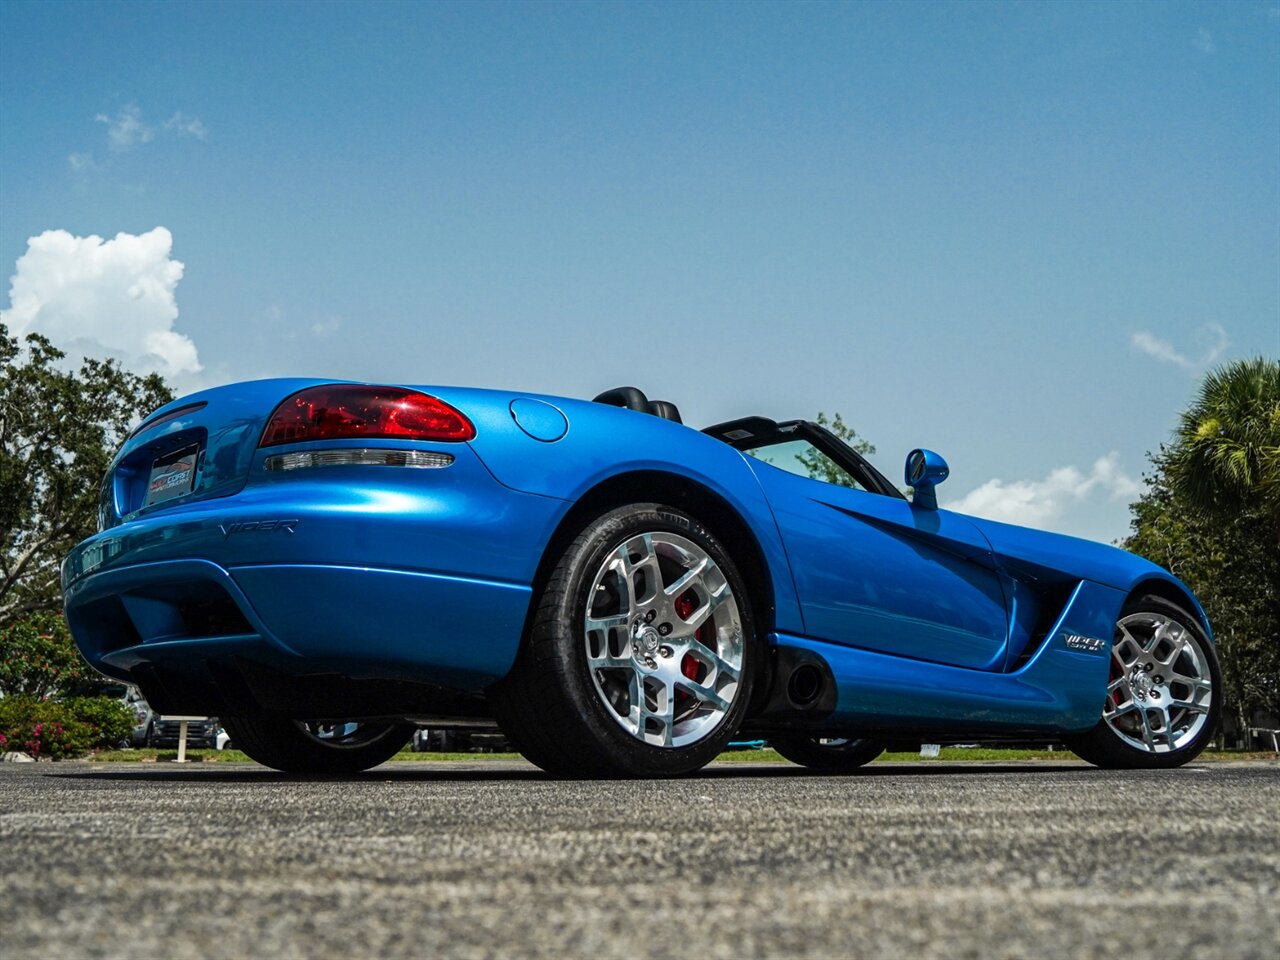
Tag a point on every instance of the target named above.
point(832, 754)
point(295, 746)
point(641, 655)
point(1164, 692)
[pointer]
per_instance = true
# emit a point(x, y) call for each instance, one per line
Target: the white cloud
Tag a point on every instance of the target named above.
point(126, 128)
point(185, 126)
point(95, 297)
point(1212, 335)
point(1204, 41)
point(1042, 503)
point(323, 329)
point(81, 166)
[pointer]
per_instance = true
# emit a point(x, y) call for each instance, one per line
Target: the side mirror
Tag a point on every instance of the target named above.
point(925, 470)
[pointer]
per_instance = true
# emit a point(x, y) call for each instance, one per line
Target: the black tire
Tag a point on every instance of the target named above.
point(832, 756)
point(548, 706)
point(288, 746)
point(1104, 747)
point(149, 740)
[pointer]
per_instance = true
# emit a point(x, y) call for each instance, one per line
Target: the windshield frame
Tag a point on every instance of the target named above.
point(750, 433)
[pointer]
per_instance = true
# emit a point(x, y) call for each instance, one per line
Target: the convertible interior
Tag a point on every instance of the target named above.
point(752, 435)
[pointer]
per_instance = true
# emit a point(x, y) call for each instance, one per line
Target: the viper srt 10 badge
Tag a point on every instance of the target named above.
point(1078, 641)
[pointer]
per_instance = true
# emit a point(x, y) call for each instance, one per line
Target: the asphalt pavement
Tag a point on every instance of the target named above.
point(492, 859)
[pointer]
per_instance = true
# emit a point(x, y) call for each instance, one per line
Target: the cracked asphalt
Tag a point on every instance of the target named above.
point(492, 859)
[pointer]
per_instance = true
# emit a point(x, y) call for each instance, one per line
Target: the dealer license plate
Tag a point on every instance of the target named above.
point(173, 475)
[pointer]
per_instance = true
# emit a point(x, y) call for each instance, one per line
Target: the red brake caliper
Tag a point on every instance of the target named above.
point(1116, 673)
point(685, 605)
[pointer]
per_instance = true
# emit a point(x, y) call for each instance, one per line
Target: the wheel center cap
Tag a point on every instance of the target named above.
point(1141, 684)
point(646, 642)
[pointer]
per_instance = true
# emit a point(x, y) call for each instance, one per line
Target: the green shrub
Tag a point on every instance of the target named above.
point(110, 720)
point(42, 728)
point(60, 729)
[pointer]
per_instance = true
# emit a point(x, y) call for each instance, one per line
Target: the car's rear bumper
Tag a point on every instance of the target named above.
point(379, 574)
point(195, 636)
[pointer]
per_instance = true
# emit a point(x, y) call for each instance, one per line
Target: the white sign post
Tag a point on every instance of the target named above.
point(182, 735)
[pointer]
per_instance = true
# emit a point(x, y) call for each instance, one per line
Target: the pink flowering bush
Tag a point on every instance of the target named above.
point(43, 728)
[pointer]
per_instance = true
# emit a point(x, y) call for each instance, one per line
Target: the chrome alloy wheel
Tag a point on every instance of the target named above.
point(664, 639)
point(1160, 689)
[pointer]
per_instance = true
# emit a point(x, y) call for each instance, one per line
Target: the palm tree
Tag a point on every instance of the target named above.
point(1226, 452)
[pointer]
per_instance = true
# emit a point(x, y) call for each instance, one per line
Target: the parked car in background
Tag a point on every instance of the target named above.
point(477, 739)
point(143, 715)
point(200, 733)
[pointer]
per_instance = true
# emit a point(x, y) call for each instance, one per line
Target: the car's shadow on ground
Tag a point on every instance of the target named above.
point(468, 772)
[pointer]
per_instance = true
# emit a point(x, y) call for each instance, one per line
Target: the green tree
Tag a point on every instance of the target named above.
point(819, 466)
point(1225, 460)
point(39, 659)
point(1232, 563)
point(59, 429)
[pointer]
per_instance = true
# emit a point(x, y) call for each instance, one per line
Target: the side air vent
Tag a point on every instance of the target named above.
point(1053, 600)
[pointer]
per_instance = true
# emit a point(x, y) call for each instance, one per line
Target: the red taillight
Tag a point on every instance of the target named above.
point(353, 411)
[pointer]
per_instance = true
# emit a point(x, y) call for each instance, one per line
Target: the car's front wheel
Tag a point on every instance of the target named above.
point(295, 746)
point(641, 655)
point(1164, 692)
point(831, 754)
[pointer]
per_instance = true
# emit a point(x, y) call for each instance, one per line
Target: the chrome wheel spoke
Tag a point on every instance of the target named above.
point(1180, 644)
point(708, 608)
point(603, 625)
point(647, 564)
point(662, 714)
point(1156, 636)
point(723, 668)
point(1147, 734)
point(607, 661)
point(1189, 706)
point(703, 693)
point(1126, 705)
point(1129, 706)
point(1166, 722)
point(1126, 641)
point(691, 578)
point(1195, 684)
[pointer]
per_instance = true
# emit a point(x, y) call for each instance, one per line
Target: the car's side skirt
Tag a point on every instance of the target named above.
point(1060, 689)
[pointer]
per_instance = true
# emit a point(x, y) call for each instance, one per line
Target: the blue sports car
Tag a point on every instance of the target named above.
point(324, 565)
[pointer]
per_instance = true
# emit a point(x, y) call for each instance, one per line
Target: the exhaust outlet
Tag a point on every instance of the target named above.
point(805, 686)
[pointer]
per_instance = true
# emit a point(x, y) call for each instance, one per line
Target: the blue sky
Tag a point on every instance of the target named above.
point(1013, 233)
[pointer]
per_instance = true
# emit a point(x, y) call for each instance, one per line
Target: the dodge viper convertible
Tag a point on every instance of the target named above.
point(324, 565)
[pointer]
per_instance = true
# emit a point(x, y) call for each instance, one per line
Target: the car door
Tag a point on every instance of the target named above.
point(873, 571)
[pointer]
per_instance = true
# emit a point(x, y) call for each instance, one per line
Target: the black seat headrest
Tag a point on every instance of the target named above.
point(665, 409)
point(632, 398)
